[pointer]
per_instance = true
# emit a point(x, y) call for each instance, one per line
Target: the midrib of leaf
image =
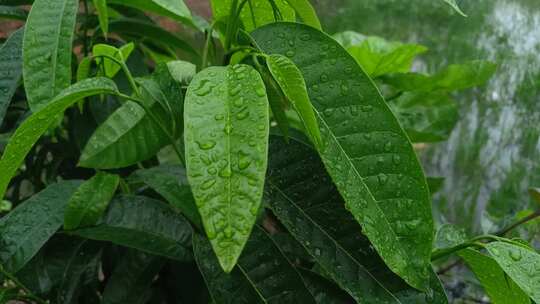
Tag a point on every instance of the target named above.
point(55, 49)
point(251, 283)
point(229, 179)
point(336, 243)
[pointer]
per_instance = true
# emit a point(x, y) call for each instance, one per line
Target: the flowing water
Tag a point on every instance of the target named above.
point(492, 157)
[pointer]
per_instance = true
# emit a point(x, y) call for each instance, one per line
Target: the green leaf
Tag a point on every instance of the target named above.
point(519, 263)
point(175, 9)
point(10, 70)
point(365, 150)
point(426, 117)
point(25, 230)
point(171, 182)
point(535, 194)
point(83, 69)
point(263, 274)
point(111, 68)
point(10, 12)
point(306, 12)
point(144, 224)
point(323, 290)
point(34, 126)
point(103, 15)
point(455, 6)
point(448, 236)
point(88, 203)
point(226, 139)
point(132, 278)
point(349, 38)
point(453, 78)
point(302, 196)
point(47, 50)
point(182, 71)
point(499, 288)
point(435, 184)
point(292, 84)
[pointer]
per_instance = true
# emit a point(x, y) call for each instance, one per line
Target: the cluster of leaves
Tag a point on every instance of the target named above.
point(268, 167)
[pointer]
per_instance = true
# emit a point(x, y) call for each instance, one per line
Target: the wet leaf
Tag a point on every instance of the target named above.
point(448, 236)
point(10, 69)
point(144, 224)
point(175, 9)
point(111, 68)
point(103, 15)
point(226, 138)
point(519, 263)
point(365, 150)
point(306, 12)
point(47, 50)
point(29, 226)
point(88, 203)
point(263, 274)
point(497, 285)
point(34, 126)
point(323, 290)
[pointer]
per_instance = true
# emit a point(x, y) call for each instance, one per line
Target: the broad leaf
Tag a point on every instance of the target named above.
point(25, 230)
point(500, 288)
point(175, 9)
point(365, 150)
point(144, 224)
point(47, 50)
point(10, 12)
point(292, 84)
point(263, 274)
point(306, 12)
point(88, 203)
point(226, 138)
point(110, 68)
point(455, 6)
point(103, 15)
point(519, 263)
point(426, 117)
point(182, 71)
point(10, 70)
point(323, 290)
point(301, 195)
point(34, 126)
point(448, 236)
point(131, 280)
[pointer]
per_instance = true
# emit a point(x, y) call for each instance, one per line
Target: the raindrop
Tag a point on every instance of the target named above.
point(260, 92)
point(290, 53)
point(207, 145)
point(383, 178)
point(208, 184)
point(515, 255)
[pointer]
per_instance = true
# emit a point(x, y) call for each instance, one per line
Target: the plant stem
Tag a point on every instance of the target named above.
point(524, 220)
point(29, 293)
point(207, 46)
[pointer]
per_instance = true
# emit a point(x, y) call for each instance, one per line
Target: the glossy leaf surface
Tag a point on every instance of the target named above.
point(10, 69)
point(175, 9)
point(144, 224)
point(89, 202)
point(263, 274)
point(25, 230)
point(519, 263)
point(47, 50)
point(110, 68)
point(365, 150)
point(34, 126)
point(306, 12)
point(226, 138)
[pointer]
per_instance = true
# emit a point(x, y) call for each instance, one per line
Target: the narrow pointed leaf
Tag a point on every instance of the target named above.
point(25, 230)
point(34, 126)
point(110, 67)
point(455, 6)
point(103, 15)
point(498, 286)
point(306, 12)
point(47, 50)
point(144, 224)
point(263, 274)
point(88, 203)
point(292, 84)
point(10, 69)
point(10, 12)
point(226, 138)
point(519, 263)
point(175, 9)
point(365, 150)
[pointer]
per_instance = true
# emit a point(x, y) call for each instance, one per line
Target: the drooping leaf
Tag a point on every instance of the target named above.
point(47, 50)
point(263, 274)
point(302, 196)
point(306, 12)
point(25, 230)
point(88, 203)
point(365, 150)
point(277, 101)
point(34, 126)
point(426, 117)
point(292, 84)
point(455, 6)
point(103, 15)
point(453, 78)
point(226, 137)
point(519, 263)
point(110, 68)
point(144, 224)
point(500, 288)
point(131, 280)
point(10, 12)
point(171, 182)
point(175, 9)
point(10, 69)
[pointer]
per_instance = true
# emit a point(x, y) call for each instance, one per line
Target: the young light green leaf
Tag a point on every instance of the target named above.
point(263, 274)
point(365, 150)
point(175, 9)
point(499, 288)
point(83, 70)
point(47, 50)
point(103, 15)
point(306, 12)
point(144, 224)
point(28, 227)
point(111, 68)
point(10, 69)
point(34, 126)
point(519, 263)
point(455, 6)
point(226, 137)
point(182, 71)
point(10, 12)
point(88, 203)
point(292, 84)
